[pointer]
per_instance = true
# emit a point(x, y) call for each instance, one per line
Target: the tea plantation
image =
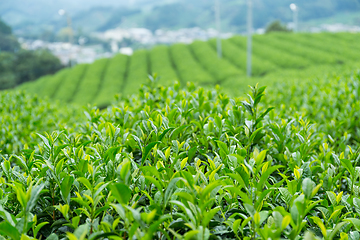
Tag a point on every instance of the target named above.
point(198, 62)
point(183, 162)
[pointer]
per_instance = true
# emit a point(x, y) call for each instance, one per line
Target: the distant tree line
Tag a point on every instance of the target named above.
point(189, 13)
point(18, 65)
point(277, 26)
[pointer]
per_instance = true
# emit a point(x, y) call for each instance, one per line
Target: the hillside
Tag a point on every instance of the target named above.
point(184, 163)
point(36, 16)
point(273, 55)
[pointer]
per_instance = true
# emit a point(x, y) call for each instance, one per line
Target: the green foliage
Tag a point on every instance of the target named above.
point(37, 86)
point(18, 66)
point(114, 77)
point(21, 116)
point(172, 163)
point(30, 65)
point(274, 56)
point(343, 47)
point(7, 76)
point(7, 80)
point(237, 56)
point(291, 76)
point(348, 36)
point(220, 68)
point(8, 43)
point(91, 82)
point(137, 72)
point(49, 88)
point(24, 66)
point(341, 93)
point(279, 58)
point(276, 26)
point(66, 90)
point(4, 28)
point(162, 64)
point(314, 55)
point(187, 66)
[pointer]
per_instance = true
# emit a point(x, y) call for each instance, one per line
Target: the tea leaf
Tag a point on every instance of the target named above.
point(121, 192)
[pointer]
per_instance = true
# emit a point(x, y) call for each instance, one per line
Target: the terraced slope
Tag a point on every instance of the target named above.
point(97, 83)
point(113, 76)
point(138, 70)
point(162, 64)
point(237, 56)
point(185, 163)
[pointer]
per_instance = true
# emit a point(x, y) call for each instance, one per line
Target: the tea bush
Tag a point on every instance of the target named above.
point(333, 103)
point(349, 37)
point(114, 76)
point(173, 163)
point(35, 86)
point(278, 57)
point(22, 116)
point(49, 88)
point(70, 85)
point(220, 68)
point(346, 49)
point(237, 56)
point(91, 82)
point(198, 62)
point(162, 64)
point(314, 55)
point(137, 72)
point(187, 66)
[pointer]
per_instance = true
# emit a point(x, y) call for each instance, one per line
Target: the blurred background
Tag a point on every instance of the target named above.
point(38, 37)
point(109, 25)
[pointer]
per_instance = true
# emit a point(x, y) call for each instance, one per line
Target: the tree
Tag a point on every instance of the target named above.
point(18, 65)
point(30, 65)
point(276, 26)
point(7, 76)
point(8, 43)
point(24, 66)
point(7, 80)
point(4, 28)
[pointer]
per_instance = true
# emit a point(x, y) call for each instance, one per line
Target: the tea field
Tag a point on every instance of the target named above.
point(182, 162)
point(198, 63)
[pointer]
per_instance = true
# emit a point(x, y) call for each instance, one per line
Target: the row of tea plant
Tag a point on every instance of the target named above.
point(173, 163)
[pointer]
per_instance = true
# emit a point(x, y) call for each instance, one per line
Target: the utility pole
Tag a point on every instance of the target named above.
point(218, 26)
point(249, 38)
point(295, 10)
point(62, 12)
point(69, 22)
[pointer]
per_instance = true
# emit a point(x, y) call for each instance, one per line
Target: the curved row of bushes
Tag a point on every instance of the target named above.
point(198, 62)
point(173, 163)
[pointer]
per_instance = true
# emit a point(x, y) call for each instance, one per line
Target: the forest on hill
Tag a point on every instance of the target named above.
point(18, 65)
point(40, 15)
